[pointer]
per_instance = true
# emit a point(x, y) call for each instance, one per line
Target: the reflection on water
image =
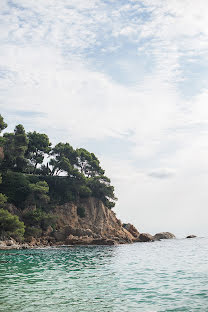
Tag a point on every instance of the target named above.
point(162, 276)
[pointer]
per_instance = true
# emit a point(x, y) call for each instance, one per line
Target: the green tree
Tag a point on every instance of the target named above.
point(3, 198)
point(102, 189)
point(39, 193)
point(15, 186)
point(64, 157)
point(10, 225)
point(38, 146)
point(38, 218)
point(21, 145)
point(88, 163)
point(3, 125)
point(15, 146)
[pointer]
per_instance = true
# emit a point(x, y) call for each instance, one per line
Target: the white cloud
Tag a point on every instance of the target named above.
point(161, 173)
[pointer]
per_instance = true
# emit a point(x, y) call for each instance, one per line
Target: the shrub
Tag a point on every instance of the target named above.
point(10, 225)
point(15, 186)
point(38, 218)
point(84, 191)
point(32, 231)
point(81, 212)
point(3, 200)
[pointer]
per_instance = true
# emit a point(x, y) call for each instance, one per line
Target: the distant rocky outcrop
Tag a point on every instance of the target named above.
point(164, 235)
point(191, 236)
point(145, 237)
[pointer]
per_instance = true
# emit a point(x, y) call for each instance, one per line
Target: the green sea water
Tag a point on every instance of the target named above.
point(168, 275)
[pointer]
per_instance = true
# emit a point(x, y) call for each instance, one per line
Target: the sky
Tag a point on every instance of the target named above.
point(127, 80)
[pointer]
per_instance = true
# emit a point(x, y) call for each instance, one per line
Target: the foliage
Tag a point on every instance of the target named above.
point(88, 163)
point(3, 125)
point(15, 186)
point(102, 189)
point(38, 146)
point(10, 225)
point(38, 193)
point(36, 174)
point(3, 200)
point(32, 231)
point(38, 218)
point(40, 187)
point(15, 146)
point(85, 191)
point(63, 159)
point(81, 212)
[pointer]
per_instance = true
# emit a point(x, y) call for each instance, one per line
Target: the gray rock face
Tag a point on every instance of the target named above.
point(145, 237)
point(191, 236)
point(164, 235)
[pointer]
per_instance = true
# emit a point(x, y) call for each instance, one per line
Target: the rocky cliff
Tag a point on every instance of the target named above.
point(86, 222)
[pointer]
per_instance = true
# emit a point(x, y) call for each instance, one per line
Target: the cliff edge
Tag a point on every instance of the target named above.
point(87, 222)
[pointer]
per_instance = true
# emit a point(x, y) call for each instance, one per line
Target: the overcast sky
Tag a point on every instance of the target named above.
point(127, 80)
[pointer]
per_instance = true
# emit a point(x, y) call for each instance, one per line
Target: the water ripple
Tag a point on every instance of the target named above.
point(162, 276)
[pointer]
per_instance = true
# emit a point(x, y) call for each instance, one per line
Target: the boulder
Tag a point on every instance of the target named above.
point(83, 232)
point(104, 241)
point(69, 230)
point(191, 236)
point(9, 244)
point(131, 229)
point(164, 235)
point(25, 246)
point(76, 240)
point(145, 237)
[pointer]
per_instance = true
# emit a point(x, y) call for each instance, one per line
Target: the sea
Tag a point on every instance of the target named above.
point(169, 275)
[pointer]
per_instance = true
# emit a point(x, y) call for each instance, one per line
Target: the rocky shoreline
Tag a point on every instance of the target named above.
point(10, 244)
point(99, 226)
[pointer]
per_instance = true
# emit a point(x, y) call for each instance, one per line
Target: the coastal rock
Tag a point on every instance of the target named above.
point(145, 237)
point(99, 222)
point(130, 228)
point(98, 226)
point(164, 235)
point(104, 241)
point(24, 246)
point(2, 244)
point(191, 236)
point(76, 240)
point(9, 244)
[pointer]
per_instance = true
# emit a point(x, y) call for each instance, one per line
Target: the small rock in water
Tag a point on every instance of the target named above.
point(164, 235)
point(191, 236)
point(145, 237)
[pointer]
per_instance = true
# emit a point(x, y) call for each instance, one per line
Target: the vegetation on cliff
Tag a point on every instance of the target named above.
point(36, 175)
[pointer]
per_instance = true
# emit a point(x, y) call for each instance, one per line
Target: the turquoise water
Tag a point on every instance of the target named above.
point(162, 276)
